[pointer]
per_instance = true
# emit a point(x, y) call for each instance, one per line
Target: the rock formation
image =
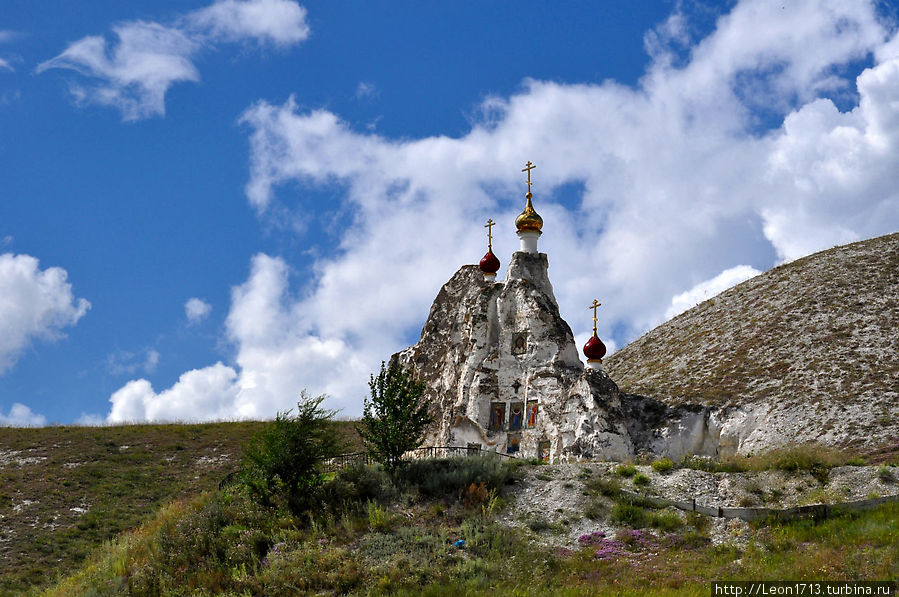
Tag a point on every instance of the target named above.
point(503, 371)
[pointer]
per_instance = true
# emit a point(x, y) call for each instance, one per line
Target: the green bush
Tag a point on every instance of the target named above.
point(813, 458)
point(663, 465)
point(378, 518)
point(710, 465)
point(885, 474)
point(665, 521)
point(630, 514)
point(356, 485)
point(641, 479)
point(284, 460)
point(446, 477)
point(607, 487)
point(625, 470)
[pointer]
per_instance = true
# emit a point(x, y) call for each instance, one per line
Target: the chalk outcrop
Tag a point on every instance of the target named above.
point(503, 371)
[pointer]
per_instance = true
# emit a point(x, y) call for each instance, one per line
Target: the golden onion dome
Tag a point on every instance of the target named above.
point(529, 219)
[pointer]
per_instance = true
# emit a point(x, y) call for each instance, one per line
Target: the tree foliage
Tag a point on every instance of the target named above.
point(395, 417)
point(285, 459)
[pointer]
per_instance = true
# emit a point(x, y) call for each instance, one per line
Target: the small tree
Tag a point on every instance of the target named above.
point(395, 418)
point(284, 459)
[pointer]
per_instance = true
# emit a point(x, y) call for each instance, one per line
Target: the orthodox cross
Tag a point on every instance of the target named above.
point(489, 226)
point(527, 168)
point(596, 304)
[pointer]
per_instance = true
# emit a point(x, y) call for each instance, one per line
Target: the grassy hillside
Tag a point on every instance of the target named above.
point(433, 531)
point(66, 490)
point(819, 329)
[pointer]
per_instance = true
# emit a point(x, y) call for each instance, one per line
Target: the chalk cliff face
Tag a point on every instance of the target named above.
point(503, 371)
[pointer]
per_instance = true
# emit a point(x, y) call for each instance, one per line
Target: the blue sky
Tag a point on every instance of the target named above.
point(206, 207)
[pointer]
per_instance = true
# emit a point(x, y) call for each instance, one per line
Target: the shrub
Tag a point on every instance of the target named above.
point(885, 474)
point(607, 487)
point(641, 479)
point(665, 521)
point(595, 510)
point(629, 514)
point(356, 485)
point(395, 418)
point(474, 495)
point(378, 518)
point(445, 477)
point(625, 470)
point(813, 458)
point(663, 465)
point(284, 460)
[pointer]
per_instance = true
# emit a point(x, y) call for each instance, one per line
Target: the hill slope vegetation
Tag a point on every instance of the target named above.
point(818, 331)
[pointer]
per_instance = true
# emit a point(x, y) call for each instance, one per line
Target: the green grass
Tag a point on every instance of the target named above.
point(177, 534)
point(224, 544)
point(120, 476)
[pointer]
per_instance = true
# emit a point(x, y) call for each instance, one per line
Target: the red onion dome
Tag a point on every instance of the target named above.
point(594, 349)
point(489, 264)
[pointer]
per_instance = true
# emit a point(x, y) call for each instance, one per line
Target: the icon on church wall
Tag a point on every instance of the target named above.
point(473, 448)
point(513, 443)
point(516, 415)
point(532, 413)
point(519, 342)
point(543, 450)
point(497, 415)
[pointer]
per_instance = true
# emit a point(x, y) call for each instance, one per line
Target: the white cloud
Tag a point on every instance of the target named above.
point(90, 420)
point(364, 89)
point(281, 22)
point(196, 310)
point(134, 75)
point(277, 357)
point(21, 416)
point(5, 65)
point(709, 288)
point(679, 179)
point(123, 362)
point(34, 304)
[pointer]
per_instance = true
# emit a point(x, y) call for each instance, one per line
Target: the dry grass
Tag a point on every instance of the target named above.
point(66, 490)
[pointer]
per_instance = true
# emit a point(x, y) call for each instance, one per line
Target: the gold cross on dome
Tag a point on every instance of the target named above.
point(489, 226)
point(527, 168)
point(596, 304)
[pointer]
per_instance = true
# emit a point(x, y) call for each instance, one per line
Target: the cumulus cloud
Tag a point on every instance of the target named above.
point(35, 304)
point(134, 74)
point(282, 22)
point(709, 288)
point(21, 416)
point(278, 355)
point(729, 151)
point(196, 310)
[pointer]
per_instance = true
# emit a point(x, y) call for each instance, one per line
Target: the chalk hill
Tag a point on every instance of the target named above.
point(808, 350)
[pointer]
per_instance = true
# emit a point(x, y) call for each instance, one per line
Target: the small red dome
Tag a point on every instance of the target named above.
point(594, 349)
point(489, 264)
